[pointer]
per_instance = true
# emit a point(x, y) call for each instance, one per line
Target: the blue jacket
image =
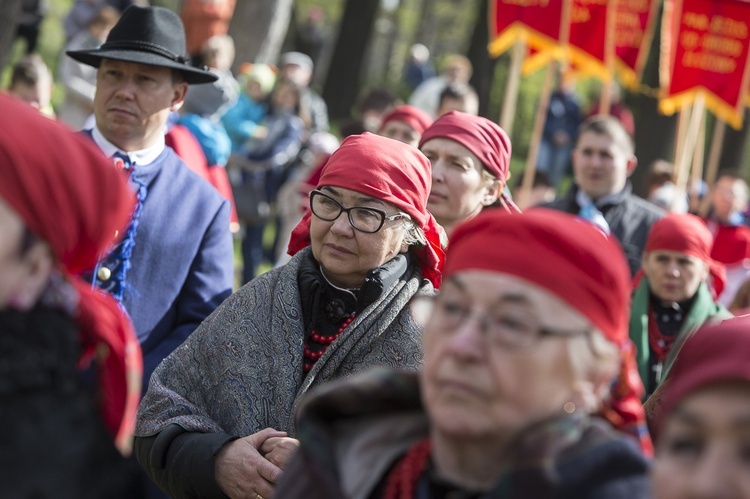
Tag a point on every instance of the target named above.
point(182, 263)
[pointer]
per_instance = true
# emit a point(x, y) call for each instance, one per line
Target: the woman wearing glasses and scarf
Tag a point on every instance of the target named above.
point(528, 374)
point(218, 415)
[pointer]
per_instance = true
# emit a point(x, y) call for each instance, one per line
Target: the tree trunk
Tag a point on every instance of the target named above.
point(654, 132)
point(258, 29)
point(484, 66)
point(10, 13)
point(343, 80)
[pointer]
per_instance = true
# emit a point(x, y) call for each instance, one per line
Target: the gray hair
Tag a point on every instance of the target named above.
point(595, 362)
point(413, 235)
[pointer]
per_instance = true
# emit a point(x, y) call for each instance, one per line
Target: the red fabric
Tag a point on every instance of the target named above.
point(72, 197)
point(568, 256)
point(634, 25)
point(412, 116)
point(731, 244)
point(575, 261)
point(485, 139)
point(587, 36)
point(537, 23)
point(717, 352)
point(684, 233)
point(392, 172)
point(219, 179)
point(189, 150)
point(687, 234)
point(695, 59)
point(402, 480)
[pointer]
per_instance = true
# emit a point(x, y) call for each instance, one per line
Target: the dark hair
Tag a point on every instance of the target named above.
point(29, 71)
point(378, 99)
point(612, 128)
point(460, 92)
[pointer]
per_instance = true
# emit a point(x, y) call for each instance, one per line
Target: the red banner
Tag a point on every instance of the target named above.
point(536, 22)
point(706, 47)
point(634, 30)
point(589, 32)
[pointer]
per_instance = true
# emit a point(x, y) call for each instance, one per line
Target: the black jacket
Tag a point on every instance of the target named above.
point(629, 218)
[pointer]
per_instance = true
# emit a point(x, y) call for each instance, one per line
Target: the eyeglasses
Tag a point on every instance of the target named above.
point(363, 219)
point(504, 325)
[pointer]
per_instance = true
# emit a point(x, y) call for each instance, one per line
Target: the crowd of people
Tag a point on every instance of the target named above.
point(422, 334)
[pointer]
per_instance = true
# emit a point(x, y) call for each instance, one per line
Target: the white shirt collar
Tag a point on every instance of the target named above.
point(141, 157)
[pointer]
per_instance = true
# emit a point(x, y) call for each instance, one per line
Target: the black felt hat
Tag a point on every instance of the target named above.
point(147, 35)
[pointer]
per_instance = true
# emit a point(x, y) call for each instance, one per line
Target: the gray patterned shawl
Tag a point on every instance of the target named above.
point(241, 370)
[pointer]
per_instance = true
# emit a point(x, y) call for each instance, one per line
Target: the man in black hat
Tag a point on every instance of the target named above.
point(174, 264)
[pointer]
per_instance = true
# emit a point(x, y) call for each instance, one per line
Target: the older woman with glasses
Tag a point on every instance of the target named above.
point(528, 375)
point(217, 419)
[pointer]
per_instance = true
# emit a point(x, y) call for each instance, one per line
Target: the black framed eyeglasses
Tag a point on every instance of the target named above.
point(364, 219)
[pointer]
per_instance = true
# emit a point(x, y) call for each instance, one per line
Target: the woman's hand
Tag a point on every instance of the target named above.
point(242, 472)
point(279, 450)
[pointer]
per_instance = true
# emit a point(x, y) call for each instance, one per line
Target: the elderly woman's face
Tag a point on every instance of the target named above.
point(458, 189)
point(673, 276)
point(345, 254)
point(493, 374)
point(704, 447)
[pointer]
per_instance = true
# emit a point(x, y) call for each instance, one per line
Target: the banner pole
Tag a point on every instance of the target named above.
point(605, 100)
point(696, 171)
point(510, 99)
point(682, 167)
point(536, 135)
point(712, 168)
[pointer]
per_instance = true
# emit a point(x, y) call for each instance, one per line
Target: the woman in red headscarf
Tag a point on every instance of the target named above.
point(470, 158)
point(528, 372)
point(218, 410)
point(406, 124)
point(701, 430)
point(674, 296)
point(61, 205)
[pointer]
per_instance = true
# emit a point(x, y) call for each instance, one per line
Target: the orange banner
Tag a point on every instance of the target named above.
point(634, 30)
point(706, 48)
point(536, 22)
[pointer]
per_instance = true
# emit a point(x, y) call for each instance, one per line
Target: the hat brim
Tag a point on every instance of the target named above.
point(94, 58)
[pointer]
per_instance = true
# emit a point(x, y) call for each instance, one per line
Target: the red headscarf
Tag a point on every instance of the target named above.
point(72, 197)
point(716, 352)
point(732, 244)
point(575, 261)
point(485, 139)
point(687, 234)
point(412, 116)
point(392, 172)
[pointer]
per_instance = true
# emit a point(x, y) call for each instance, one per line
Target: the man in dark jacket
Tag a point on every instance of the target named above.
point(603, 159)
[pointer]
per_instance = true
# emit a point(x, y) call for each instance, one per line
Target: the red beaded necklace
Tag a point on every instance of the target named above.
point(660, 343)
point(310, 356)
point(401, 482)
